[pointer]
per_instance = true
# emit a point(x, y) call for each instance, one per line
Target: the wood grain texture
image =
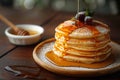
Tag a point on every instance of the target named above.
point(20, 56)
point(5, 46)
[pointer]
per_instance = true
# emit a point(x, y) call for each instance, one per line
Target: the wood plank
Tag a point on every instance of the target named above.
point(20, 56)
point(34, 16)
point(5, 46)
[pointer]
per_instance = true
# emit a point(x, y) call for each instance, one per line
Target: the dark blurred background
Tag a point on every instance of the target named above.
point(99, 6)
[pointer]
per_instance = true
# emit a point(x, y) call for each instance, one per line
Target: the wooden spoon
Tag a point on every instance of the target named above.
point(17, 30)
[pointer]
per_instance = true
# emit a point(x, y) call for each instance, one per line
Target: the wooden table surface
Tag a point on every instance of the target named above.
point(21, 56)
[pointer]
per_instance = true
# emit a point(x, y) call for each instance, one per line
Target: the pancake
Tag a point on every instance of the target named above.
point(86, 48)
point(86, 60)
point(85, 31)
point(80, 52)
point(89, 53)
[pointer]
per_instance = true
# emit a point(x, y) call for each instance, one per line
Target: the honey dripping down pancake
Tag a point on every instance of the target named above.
point(82, 43)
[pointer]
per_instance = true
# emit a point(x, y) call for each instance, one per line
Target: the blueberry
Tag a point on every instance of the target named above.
point(88, 20)
point(80, 16)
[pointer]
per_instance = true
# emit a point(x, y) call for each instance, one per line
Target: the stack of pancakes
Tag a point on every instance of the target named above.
point(84, 43)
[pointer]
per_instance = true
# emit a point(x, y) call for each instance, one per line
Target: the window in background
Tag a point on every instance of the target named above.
point(100, 6)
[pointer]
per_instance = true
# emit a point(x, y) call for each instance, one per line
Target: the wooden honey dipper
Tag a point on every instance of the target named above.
point(17, 30)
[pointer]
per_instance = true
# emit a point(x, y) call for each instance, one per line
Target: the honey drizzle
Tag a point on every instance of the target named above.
point(93, 30)
point(67, 30)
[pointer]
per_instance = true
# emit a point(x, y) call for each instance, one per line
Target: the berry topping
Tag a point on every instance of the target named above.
point(88, 20)
point(85, 17)
point(80, 16)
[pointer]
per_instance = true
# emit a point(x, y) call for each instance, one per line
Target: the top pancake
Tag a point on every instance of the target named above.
point(84, 31)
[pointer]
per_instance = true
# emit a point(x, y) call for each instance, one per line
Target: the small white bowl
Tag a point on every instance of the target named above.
point(25, 40)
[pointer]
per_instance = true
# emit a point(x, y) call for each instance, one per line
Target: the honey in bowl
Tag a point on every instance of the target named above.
point(31, 32)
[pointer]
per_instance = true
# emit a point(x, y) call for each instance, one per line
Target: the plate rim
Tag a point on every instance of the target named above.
point(75, 73)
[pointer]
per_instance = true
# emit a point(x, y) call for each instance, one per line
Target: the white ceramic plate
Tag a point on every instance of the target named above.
point(39, 57)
